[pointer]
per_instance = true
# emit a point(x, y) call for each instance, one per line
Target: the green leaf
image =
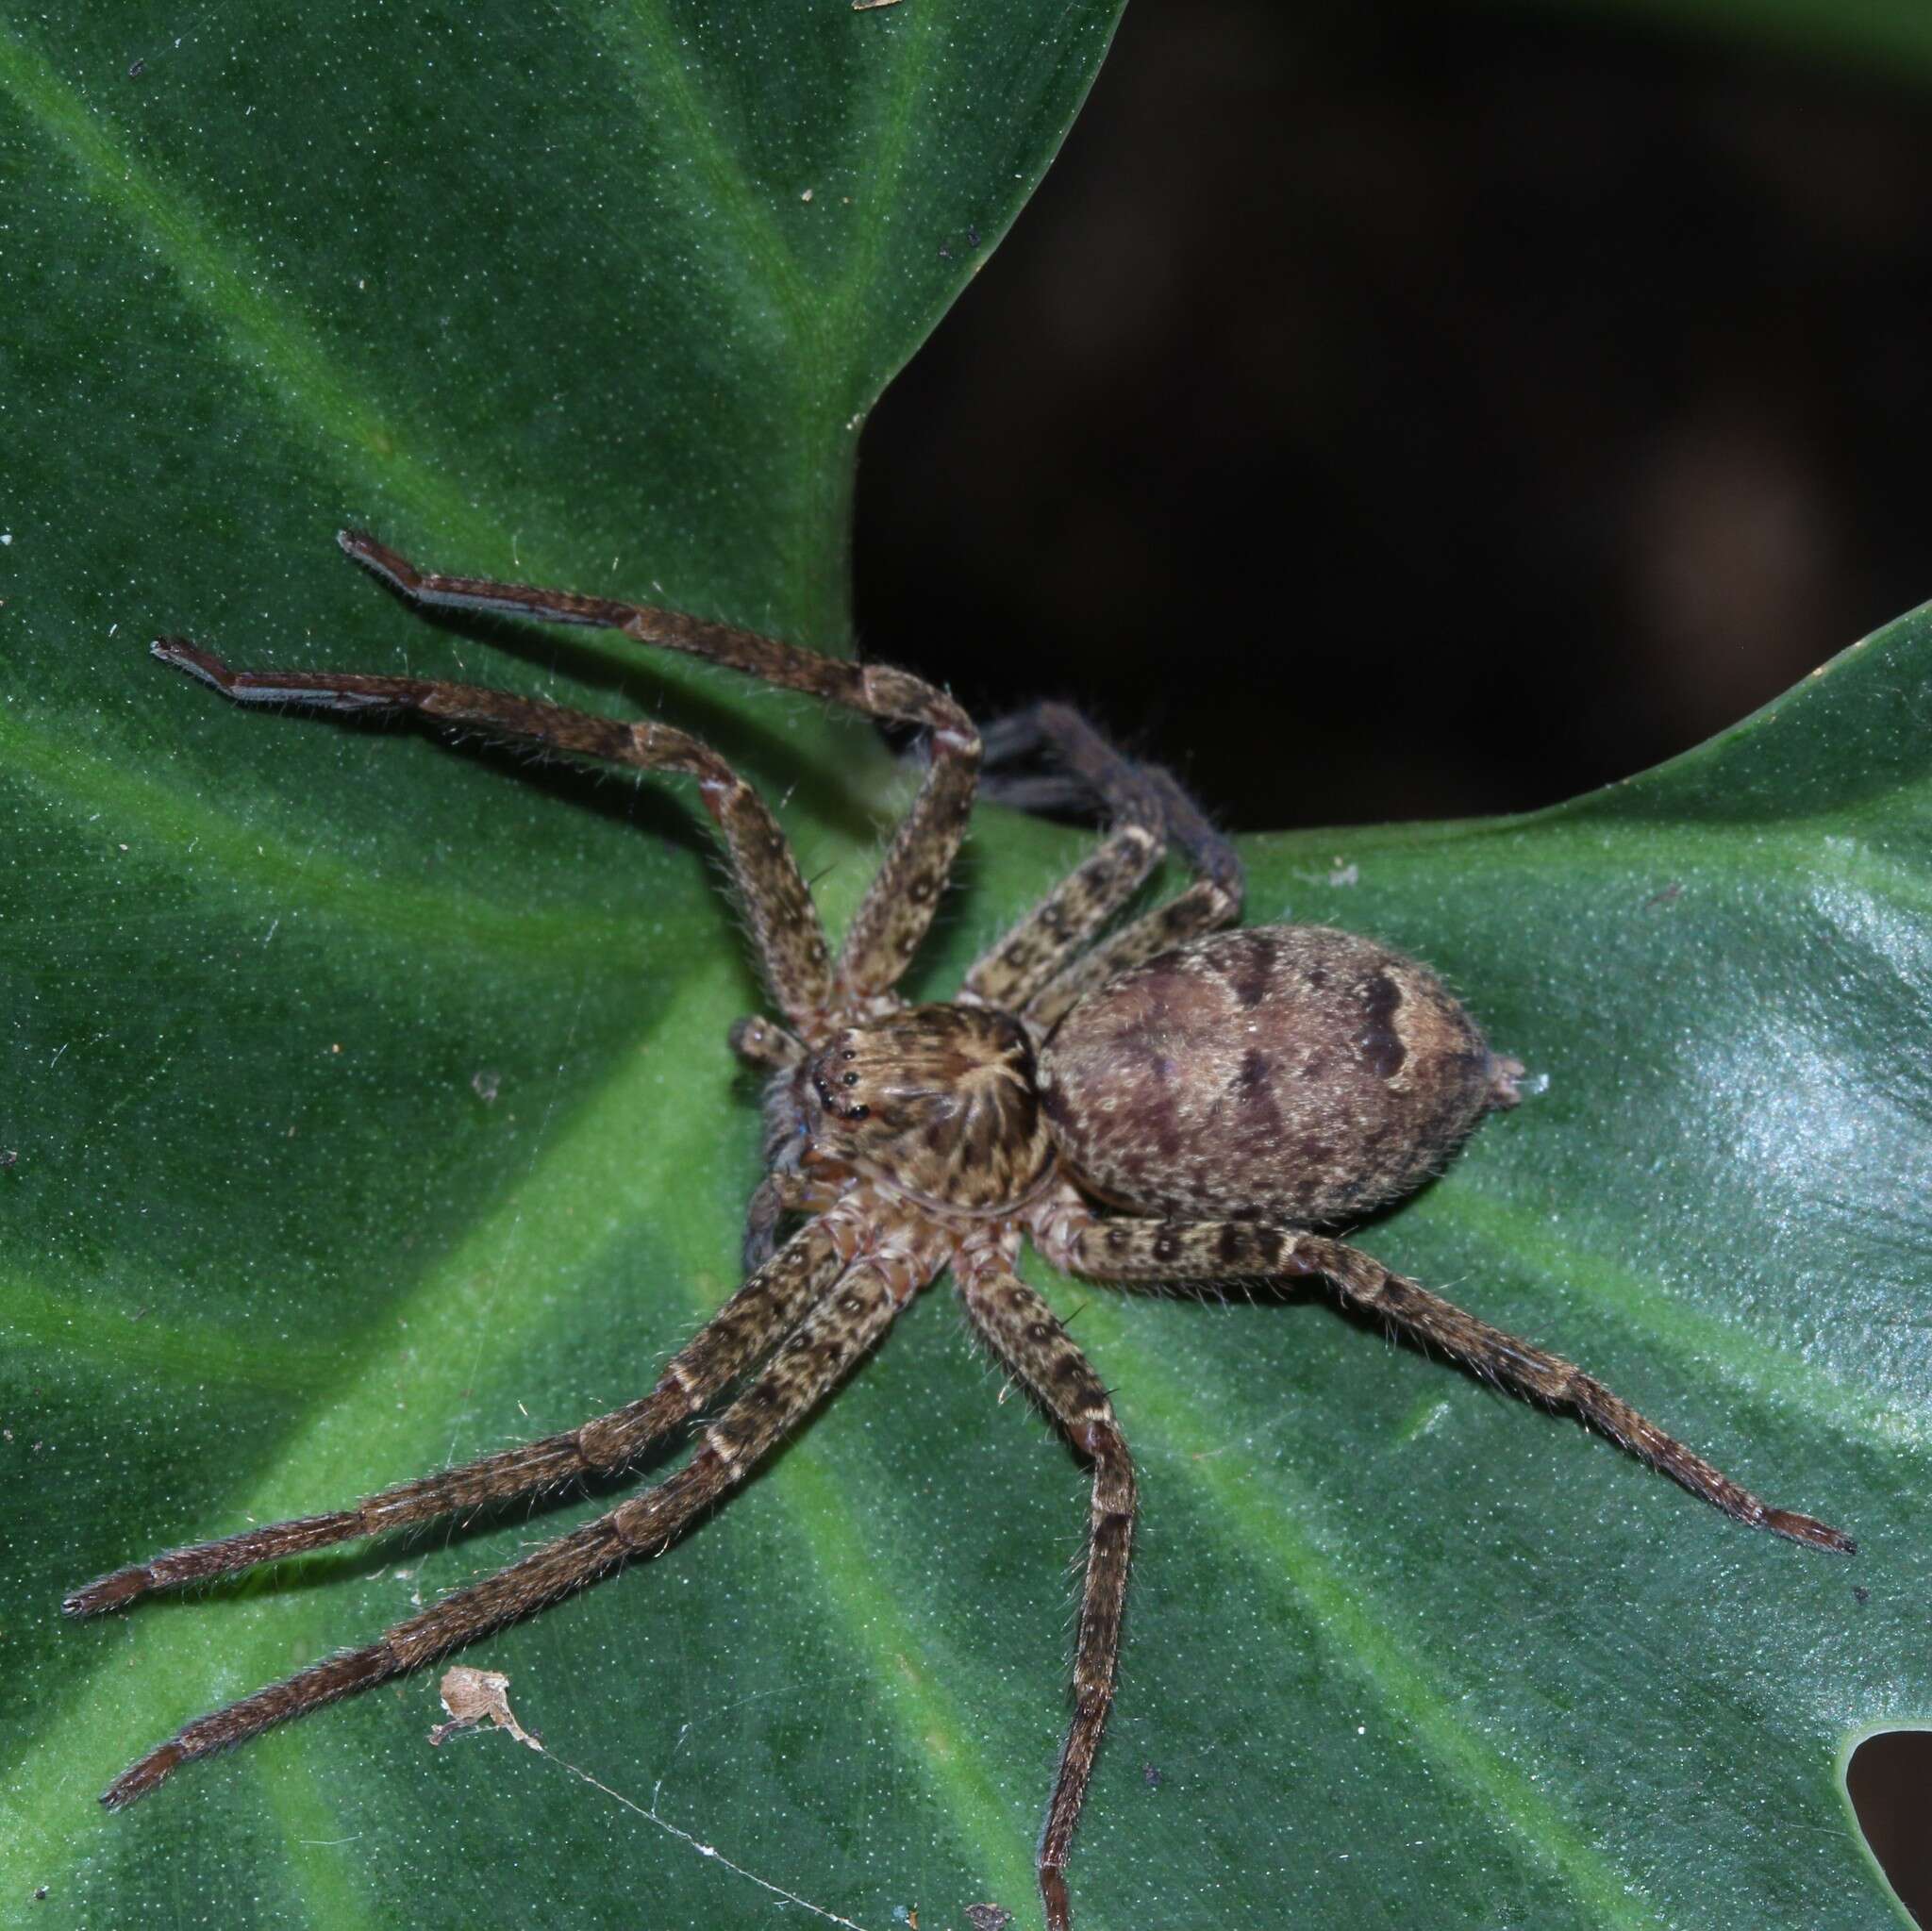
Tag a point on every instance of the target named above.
point(372, 1107)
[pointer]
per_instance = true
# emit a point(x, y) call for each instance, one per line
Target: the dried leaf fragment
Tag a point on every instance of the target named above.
point(478, 1696)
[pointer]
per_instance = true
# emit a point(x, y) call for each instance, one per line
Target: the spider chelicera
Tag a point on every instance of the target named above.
point(1180, 1101)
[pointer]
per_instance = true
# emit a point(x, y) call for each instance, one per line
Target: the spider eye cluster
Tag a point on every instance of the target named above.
point(850, 1109)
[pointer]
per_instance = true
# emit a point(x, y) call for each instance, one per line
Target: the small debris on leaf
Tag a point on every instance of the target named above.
point(988, 1917)
point(485, 1085)
point(478, 1696)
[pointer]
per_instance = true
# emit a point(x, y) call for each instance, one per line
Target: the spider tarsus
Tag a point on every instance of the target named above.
point(109, 1592)
point(379, 558)
point(138, 1779)
point(318, 689)
point(190, 657)
point(1809, 1530)
point(1053, 1894)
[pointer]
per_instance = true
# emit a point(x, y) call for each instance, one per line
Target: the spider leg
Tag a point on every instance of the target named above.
point(783, 1192)
point(738, 1335)
point(1201, 908)
point(1208, 1250)
point(1088, 768)
point(1029, 954)
point(758, 1042)
point(784, 922)
point(814, 1359)
point(768, 1205)
point(1022, 1329)
point(898, 906)
point(1132, 793)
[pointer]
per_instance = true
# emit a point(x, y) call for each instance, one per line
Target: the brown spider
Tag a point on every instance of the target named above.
point(1176, 1103)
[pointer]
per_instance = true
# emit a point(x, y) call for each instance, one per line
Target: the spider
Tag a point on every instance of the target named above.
point(1182, 1102)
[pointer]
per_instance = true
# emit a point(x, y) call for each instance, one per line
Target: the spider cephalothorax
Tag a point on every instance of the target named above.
point(938, 1101)
point(1173, 1103)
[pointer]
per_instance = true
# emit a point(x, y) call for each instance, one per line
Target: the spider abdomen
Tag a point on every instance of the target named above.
point(1286, 1072)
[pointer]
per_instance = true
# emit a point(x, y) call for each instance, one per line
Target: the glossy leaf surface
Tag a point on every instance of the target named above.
point(372, 1107)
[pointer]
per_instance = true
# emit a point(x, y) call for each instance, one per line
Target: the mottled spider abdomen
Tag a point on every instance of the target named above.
point(1293, 1073)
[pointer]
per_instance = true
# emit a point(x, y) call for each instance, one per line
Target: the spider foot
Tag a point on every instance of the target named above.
point(1809, 1530)
point(1053, 1894)
point(110, 1592)
point(138, 1779)
point(322, 690)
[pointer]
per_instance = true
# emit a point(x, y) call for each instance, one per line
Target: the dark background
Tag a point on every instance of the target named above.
point(1420, 409)
point(1423, 410)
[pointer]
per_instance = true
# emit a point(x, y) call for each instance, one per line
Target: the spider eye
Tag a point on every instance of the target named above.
point(858, 1112)
point(848, 1053)
point(852, 1079)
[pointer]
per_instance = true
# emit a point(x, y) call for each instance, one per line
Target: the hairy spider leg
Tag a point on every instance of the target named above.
point(1094, 769)
point(758, 1042)
point(812, 1360)
point(1030, 953)
point(739, 1334)
point(769, 1204)
point(898, 905)
point(1206, 905)
point(1075, 1237)
point(1022, 1329)
point(784, 923)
